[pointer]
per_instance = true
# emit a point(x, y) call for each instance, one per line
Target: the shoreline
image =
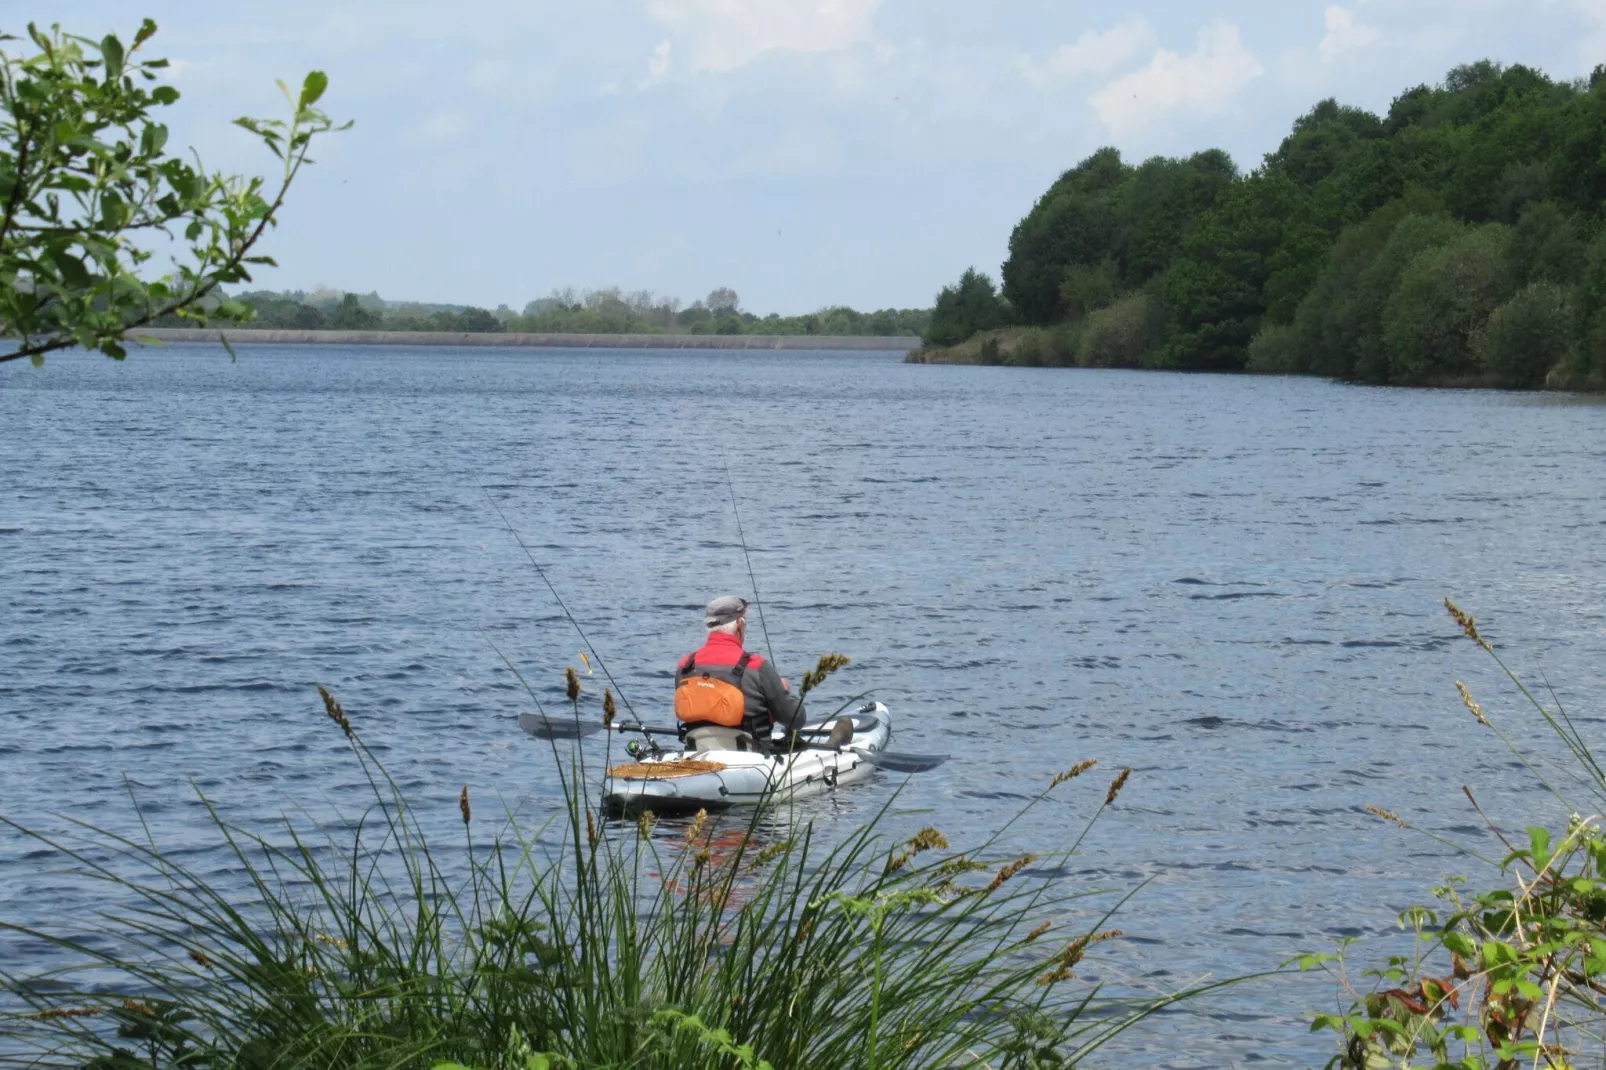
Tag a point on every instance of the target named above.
point(1002, 348)
point(261, 336)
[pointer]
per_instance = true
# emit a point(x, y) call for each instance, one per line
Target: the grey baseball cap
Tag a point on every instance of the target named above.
point(724, 609)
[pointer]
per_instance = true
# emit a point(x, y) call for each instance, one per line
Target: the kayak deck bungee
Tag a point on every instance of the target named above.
point(721, 779)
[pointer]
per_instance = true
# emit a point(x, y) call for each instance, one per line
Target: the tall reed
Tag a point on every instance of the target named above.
point(1509, 970)
point(585, 944)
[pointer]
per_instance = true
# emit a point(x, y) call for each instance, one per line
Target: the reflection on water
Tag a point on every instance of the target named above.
point(1230, 584)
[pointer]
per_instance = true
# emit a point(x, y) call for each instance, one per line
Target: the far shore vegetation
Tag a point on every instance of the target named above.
point(567, 311)
point(1456, 240)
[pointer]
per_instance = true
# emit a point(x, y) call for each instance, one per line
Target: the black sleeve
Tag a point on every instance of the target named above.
point(783, 705)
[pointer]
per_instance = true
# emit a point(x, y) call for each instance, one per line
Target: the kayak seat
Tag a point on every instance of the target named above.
point(716, 737)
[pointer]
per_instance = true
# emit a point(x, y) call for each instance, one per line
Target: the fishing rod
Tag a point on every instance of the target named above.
point(742, 535)
point(561, 605)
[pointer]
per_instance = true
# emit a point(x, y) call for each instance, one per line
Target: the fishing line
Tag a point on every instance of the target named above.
point(581, 631)
point(758, 601)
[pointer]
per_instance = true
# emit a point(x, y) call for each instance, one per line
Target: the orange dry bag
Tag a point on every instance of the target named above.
point(704, 698)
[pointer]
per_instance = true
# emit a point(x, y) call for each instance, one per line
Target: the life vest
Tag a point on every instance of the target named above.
point(711, 694)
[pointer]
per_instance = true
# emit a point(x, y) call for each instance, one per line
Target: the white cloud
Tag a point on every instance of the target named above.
point(1203, 83)
point(1092, 53)
point(726, 34)
point(1344, 33)
point(658, 65)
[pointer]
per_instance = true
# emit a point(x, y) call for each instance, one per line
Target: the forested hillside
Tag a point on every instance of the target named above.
point(1458, 239)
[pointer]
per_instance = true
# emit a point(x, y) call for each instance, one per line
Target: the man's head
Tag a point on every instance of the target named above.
point(727, 614)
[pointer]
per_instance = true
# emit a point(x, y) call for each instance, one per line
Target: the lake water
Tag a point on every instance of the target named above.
point(1230, 584)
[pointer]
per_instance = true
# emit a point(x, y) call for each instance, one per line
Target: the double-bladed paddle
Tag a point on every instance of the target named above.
point(553, 729)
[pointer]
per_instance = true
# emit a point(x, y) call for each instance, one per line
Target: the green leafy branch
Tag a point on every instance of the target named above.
point(87, 186)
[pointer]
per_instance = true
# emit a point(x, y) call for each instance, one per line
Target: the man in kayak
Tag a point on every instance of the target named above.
point(727, 697)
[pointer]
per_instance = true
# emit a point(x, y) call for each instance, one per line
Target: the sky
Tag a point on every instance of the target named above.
point(803, 152)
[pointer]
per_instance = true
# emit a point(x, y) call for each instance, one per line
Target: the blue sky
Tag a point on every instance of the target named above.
point(804, 152)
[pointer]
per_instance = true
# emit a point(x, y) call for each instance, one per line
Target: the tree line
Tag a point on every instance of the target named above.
point(566, 311)
point(1458, 239)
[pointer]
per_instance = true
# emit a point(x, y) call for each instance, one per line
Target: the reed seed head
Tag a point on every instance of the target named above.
point(1471, 704)
point(1032, 936)
point(645, 823)
point(591, 828)
point(1468, 623)
point(336, 712)
point(771, 853)
point(828, 664)
point(1065, 962)
point(134, 1006)
point(200, 959)
point(927, 839)
point(702, 857)
point(1386, 815)
point(955, 867)
point(64, 1012)
point(609, 709)
point(1010, 870)
point(571, 682)
point(1073, 772)
point(697, 823)
point(462, 804)
point(1115, 787)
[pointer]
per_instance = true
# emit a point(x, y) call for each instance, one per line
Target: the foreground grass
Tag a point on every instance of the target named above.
point(1508, 970)
point(586, 945)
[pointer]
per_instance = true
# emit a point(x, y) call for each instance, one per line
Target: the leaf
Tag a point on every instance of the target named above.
point(164, 94)
point(72, 269)
point(37, 360)
point(312, 88)
point(111, 49)
point(1539, 839)
point(147, 30)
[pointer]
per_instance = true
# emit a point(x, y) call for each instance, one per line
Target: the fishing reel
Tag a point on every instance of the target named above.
point(636, 749)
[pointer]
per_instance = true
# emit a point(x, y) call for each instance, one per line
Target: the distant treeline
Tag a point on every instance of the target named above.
point(609, 311)
point(1458, 239)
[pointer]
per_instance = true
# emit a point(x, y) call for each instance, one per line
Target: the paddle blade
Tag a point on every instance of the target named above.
point(894, 762)
point(547, 728)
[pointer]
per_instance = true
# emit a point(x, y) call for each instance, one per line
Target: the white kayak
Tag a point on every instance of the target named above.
point(720, 779)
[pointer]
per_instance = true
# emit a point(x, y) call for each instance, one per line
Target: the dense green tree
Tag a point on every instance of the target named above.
point(1088, 288)
point(1158, 207)
point(1075, 222)
point(965, 308)
point(1122, 335)
point(349, 315)
point(1525, 338)
point(1375, 285)
point(1325, 141)
point(1442, 297)
point(1215, 290)
point(1275, 350)
point(1546, 245)
point(1329, 331)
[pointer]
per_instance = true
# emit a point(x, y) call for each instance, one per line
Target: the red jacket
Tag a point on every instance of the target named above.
point(768, 703)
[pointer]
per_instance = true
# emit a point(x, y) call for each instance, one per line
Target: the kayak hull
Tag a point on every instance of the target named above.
point(749, 778)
